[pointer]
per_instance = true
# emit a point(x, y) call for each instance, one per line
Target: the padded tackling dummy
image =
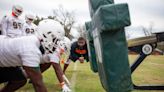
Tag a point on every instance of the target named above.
point(113, 66)
point(108, 22)
point(112, 16)
point(91, 49)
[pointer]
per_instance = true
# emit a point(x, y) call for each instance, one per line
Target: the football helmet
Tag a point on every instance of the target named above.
point(29, 18)
point(50, 33)
point(17, 10)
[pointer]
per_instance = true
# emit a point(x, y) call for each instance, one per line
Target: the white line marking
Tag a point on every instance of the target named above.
point(73, 78)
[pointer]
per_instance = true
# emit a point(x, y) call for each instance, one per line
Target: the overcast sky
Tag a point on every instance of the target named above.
point(142, 12)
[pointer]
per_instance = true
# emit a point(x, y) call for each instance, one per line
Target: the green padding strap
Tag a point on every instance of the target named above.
point(111, 17)
point(95, 4)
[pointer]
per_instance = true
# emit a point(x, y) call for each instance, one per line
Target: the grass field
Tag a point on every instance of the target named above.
point(151, 71)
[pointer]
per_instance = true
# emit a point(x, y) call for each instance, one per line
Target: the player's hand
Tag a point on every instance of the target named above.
point(65, 88)
point(66, 80)
point(61, 51)
point(81, 59)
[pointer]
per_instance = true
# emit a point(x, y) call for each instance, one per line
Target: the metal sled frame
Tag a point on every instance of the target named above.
point(134, 66)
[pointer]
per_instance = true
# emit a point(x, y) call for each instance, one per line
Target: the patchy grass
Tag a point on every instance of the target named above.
point(151, 71)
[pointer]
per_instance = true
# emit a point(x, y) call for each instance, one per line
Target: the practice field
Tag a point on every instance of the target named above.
point(151, 71)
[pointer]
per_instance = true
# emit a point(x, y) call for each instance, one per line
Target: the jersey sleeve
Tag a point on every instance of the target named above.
point(50, 58)
point(54, 58)
point(4, 25)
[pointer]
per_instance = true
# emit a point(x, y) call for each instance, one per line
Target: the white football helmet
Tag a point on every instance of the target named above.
point(29, 18)
point(17, 10)
point(65, 44)
point(50, 33)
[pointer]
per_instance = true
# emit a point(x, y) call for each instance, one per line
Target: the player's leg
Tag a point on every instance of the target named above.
point(14, 77)
point(67, 63)
point(44, 67)
point(12, 86)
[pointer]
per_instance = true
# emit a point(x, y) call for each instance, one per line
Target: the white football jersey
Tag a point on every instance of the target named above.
point(19, 51)
point(12, 26)
point(29, 29)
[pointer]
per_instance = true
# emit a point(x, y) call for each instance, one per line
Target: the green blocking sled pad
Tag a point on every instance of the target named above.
point(107, 30)
point(91, 49)
point(112, 58)
point(112, 16)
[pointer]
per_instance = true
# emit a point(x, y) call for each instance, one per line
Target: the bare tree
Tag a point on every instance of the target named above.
point(148, 31)
point(128, 35)
point(37, 20)
point(81, 29)
point(65, 18)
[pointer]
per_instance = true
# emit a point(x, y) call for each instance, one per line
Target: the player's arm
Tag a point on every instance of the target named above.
point(55, 62)
point(44, 67)
point(52, 59)
point(4, 25)
point(35, 75)
point(58, 71)
point(60, 75)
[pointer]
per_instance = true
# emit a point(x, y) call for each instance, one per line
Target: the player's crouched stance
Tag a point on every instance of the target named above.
point(17, 52)
point(24, 52)
point(78, 51)
point(54, 45)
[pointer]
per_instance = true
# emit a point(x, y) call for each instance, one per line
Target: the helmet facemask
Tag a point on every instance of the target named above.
point(49, 42)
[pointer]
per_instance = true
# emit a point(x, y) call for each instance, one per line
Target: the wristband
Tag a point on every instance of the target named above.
point(61, 84)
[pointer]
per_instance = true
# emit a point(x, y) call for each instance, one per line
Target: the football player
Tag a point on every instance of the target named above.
point(54, 51)
point(12, 24)
point(24, 52)
point(29, 27)
point(78, 51)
